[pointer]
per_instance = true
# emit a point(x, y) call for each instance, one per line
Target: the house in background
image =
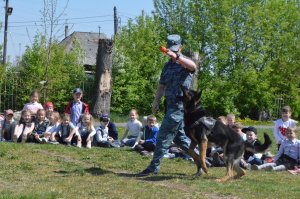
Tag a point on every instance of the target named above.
point(88, 43)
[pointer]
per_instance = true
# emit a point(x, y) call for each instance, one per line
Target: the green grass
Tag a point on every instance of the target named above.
point(55, 171)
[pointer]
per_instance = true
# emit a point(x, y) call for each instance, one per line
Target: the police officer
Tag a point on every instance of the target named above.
point(177, 72)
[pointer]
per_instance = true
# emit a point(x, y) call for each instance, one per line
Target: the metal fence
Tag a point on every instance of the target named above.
point(10, 91)
point(280, 100)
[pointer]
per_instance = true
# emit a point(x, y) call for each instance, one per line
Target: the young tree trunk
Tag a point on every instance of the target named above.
point(103, 82)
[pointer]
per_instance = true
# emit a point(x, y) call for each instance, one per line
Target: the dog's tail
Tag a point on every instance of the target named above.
point(260, 148)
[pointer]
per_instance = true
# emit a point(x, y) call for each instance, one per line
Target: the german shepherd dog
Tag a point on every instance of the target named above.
point(204, 130)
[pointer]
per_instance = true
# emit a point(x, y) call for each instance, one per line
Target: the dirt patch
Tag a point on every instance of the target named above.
point(217, 196)
point(179, 186)
point(64, 157)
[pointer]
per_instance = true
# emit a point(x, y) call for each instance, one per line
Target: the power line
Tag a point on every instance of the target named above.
point(76, 18)
point(58, 24)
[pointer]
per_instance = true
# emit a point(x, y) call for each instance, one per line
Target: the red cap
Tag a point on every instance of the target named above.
point(48, 104)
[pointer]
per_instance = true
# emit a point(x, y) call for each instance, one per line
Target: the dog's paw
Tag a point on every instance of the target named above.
point(224, 179)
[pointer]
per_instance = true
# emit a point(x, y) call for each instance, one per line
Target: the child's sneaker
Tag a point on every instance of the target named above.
point(53, 142)
point(169, 155)
point(44, 140)
point(89, 146)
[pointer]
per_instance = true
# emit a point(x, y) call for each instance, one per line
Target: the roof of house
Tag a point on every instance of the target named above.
point(88, 42)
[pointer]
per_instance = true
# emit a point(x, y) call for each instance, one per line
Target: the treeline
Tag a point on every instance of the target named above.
point(250, 54)
point(55, 83)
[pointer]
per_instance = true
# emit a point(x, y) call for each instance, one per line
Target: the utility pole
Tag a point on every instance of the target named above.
point(8, 11)
point(66, 30)
point(115, 21)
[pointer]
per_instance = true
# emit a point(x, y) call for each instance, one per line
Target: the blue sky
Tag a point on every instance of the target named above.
point(81, 15)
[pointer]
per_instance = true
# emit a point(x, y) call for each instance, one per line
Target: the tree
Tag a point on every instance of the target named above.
point(64, 74)
point(50, 18)
point(137, 63)
point(249, 52)
point(247, 47)
point(102, 89)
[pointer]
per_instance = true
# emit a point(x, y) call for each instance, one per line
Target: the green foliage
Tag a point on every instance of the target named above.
point(137, 63)
point(65, 72)
point(250, 52)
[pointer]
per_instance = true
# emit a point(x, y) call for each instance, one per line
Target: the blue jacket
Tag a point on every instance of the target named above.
point(150, 134)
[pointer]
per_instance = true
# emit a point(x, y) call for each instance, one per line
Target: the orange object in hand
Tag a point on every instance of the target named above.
point(163, 49)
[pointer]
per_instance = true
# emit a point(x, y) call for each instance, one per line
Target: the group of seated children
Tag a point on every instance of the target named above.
point(287, 157)
point(76, 126)
point(43, 124)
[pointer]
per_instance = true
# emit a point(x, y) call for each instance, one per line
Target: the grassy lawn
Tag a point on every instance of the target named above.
point(56, 171)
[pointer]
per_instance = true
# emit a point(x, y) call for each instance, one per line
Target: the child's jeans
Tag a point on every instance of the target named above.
point(256, 161)
point(130, 141)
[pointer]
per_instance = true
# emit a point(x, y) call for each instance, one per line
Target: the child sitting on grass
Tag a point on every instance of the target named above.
point(66, 132)
point(8, 126)
point(148, 141)
point(54, 121)
point(288, 156)
point(102, 135)
point(41, 124)
point(24, 128)
point(134, 127)
point(112, 129)
point(251, 158)
point(86, 130)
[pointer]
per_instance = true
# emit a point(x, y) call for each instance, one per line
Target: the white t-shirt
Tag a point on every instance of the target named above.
point(52, 128)
point(281, 127)
point(33, 107)
point(134, 128)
